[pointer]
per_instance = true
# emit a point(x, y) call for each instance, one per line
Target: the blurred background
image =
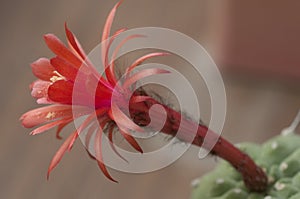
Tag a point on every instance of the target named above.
point(255, 44)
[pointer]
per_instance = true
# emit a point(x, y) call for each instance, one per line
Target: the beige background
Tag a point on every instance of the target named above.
point(258, 107)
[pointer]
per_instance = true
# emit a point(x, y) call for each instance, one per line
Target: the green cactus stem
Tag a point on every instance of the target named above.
point(280, 159)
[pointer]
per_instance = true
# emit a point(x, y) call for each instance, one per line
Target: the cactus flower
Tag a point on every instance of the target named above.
point(54, 87)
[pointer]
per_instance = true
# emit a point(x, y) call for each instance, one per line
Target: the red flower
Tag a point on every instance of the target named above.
point(56, 80)
point(55, 86)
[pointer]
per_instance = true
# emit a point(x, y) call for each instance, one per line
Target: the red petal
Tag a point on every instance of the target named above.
point(59, 128)
point(74, 42)
point(106, 29)
point(39, 89)
point(42, 69)
point(61, 50)
point(144, 58)
point(49, 126)
point(64, 68)
point(139, 98)
point(59, 154)
point(111, 76)
point(123, 120)
point(61, 92)
point(112, 145)
point(115, 53)
point(86, 123)
point(112, 38)
point(89, 134)
point(44, 114)
point(130, 139)
point(142, 74)
point(99, 157)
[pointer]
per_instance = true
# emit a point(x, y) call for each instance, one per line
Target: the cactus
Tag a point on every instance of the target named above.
point(279, 157)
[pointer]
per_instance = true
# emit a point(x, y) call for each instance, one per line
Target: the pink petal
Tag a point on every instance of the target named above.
point(39, 89)
point(89, 134)
point(64, 68)
point(59, 128)
point(43, 100)
point(142, 74)
point(44, 114)
point(115, 53)
point(59, 154)
point(112, 38)
point(112, 145)
point(139, 98)
point(91, 118)
point(99, 157)
point(111, 76)
point(144, 58)
point(50, 126)
point(74, 42)
point(106, 29)
point(123, 120)
point(130, 139)
point(61, 50)
point(42, 69)
point(61, 92)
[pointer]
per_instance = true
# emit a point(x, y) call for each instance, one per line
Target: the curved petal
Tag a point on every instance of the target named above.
point(39, 89)
point(130, 139)
point(139, 98)
point(144, 58)
point(59, 154)
point(99, 156)
point(61, 91)
point(115, 53)
point(60, 127)
point(123, 120)
point(109, 75)
point(64, 68)
point(142, 74)
point(74, 43)
point(61, 50)
point(88, 121)
point(111, 142)
point(106, 30)
point(50, 126)
point(42, 69)
point(44, 114)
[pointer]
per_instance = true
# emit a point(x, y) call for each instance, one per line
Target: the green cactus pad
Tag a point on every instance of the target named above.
point(279, 157)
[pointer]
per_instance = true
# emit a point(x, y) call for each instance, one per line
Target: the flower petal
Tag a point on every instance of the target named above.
point(44, 114)
point(99, 156)
point(139, 98)
point(106, 29)
point(59, 154)
point(144, 58)
point(74, 43)
point(59, 128)
point(142, 74)
point(130, 139)
point(123, 120)
point(112, 145)
point(61, 50)
point(50, 126)
point(61, 91)
point(109, 75)
point(88, 121)
point(42, 69)
point(64, 68)
point(111, 67)
point(39, 89)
